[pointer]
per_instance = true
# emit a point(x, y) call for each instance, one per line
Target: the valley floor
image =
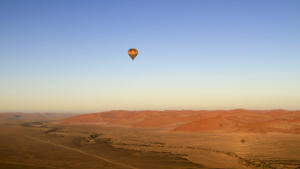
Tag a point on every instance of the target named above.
point(49, 145)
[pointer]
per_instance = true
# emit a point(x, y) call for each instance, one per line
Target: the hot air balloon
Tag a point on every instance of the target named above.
point(132, 52)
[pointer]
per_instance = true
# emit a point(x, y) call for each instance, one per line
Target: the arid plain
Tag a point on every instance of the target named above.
point(152, 139)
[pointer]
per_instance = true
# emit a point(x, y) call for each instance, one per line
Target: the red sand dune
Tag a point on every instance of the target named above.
point(238, 120)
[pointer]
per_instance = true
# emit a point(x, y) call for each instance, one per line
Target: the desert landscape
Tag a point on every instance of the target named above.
point(152, 139)
point(157, 84)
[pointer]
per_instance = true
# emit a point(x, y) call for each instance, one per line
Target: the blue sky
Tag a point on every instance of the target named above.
point(71, 56)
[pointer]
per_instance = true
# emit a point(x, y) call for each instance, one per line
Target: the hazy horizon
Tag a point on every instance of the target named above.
point(71, 56)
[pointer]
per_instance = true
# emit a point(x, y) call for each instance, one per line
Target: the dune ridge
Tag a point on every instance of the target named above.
point(237, 120)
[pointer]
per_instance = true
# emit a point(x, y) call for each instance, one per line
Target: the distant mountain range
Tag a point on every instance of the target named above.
point(24, 117)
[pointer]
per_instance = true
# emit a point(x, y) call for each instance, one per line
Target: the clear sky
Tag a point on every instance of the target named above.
point(71, 56)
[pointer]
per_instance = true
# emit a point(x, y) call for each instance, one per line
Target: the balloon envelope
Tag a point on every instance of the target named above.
point(132, 52)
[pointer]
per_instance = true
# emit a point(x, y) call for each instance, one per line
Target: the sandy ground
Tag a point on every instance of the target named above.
point(50, 144)
point(212, 149)
point(39, 145)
